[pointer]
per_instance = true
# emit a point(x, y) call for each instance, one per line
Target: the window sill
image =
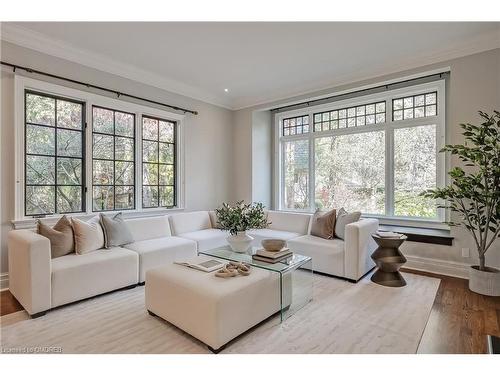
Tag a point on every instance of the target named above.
point(423, 235)
point(30, 223)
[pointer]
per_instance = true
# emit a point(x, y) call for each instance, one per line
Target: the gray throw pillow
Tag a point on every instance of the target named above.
point(344, 218)
point(60, 236)
point(323, 225)
point(116, 232)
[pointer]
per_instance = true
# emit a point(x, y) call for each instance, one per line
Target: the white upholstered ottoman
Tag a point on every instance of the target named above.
point(214, 310)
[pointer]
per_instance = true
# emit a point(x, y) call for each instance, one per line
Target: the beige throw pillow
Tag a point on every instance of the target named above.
point(60, 236)
point(213, 219)
point(323, 225)
point(88, 235)
point(344, 218)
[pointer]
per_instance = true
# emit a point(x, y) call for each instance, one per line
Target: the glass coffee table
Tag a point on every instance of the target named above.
point(295, 276)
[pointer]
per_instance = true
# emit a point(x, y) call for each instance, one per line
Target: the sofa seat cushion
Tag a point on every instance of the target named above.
point(161, 251)
point(327, 255)
point(262, 234)
point(75, 277)
point(207, 238)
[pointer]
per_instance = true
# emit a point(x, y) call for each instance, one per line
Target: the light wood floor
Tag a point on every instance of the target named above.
point(459, 320)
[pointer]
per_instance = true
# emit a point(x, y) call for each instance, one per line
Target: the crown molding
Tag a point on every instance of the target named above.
point(39, 42)
point(481, 43)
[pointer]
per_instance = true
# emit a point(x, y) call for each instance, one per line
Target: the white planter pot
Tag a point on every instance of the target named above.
point(240, 243)
point(484, 282)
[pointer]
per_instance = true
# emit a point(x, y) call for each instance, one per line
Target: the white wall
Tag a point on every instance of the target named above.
point(474, 84)
point(208, 136)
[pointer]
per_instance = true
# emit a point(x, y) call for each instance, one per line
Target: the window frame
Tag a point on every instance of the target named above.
point(388, 126)
point(90, 99)
point(174, 144)
point(114, 160)
point(82, 132)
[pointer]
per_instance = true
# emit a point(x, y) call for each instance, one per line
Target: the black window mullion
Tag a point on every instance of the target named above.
point(158, 161)
point(55, 152)
point(113, 185)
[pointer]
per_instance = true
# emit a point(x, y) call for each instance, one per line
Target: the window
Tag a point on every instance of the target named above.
point(296, 125)
point(416, 106)
point(367, 114)
point(296, 174)
point(54, 155)
point(158, 162)
point(130, 159)
point(360, 158)
point(349, 172)
point(414, 170)
point(113, 155)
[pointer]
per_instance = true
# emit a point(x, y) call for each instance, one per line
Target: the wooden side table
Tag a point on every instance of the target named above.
point(389, 260)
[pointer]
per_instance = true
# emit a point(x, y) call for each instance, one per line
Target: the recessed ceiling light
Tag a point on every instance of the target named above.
point(226, 90)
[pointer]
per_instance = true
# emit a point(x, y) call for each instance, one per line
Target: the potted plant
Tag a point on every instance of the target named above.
point(238, 219)
point(474, 195)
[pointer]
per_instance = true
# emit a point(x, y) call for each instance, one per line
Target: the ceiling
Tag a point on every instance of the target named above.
point(256, 62)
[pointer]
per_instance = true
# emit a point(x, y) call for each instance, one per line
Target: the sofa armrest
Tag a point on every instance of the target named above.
point(30, 270)
point(359, 245)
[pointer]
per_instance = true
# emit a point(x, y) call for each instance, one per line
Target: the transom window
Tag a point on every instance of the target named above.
point(158, 162)
point(366, 114)
point(415, 106)
point(296, 125)
point(113, 160)
point(360, 159)
point(54, 155)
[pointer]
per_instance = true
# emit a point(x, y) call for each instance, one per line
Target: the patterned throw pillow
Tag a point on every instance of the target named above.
point(60, 236)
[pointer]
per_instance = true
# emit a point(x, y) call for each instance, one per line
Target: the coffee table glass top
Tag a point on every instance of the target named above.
point(226, 253)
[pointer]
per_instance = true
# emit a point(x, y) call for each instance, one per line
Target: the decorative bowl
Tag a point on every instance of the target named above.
point(273, 244)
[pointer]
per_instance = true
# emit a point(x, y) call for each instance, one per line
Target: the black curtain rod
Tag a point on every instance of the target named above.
point(89, 85)
point(355, 93)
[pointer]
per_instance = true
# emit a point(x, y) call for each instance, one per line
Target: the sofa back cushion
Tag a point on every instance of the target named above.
point(148, 228)
point(189, 222)
point(289, 221)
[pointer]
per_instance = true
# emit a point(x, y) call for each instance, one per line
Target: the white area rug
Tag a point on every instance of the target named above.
point(342, 318)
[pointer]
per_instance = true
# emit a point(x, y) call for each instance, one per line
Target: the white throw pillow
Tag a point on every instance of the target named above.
point(344, 218)
point(88, 235)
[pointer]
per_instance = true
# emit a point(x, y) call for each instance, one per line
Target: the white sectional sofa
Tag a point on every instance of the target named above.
point(40, 283)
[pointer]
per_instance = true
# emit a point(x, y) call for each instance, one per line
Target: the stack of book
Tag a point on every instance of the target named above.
point(272, 256)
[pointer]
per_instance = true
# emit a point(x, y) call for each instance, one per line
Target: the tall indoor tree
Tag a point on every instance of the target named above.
point(474, 190)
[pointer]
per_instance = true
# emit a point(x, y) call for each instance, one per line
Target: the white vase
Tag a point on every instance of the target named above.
point(484, 282)
point(240, 243)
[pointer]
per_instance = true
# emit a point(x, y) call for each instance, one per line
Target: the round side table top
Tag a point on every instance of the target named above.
point(389, 241)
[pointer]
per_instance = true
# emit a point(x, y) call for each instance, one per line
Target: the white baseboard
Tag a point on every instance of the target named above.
point(439, 266)
point(4, 281)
